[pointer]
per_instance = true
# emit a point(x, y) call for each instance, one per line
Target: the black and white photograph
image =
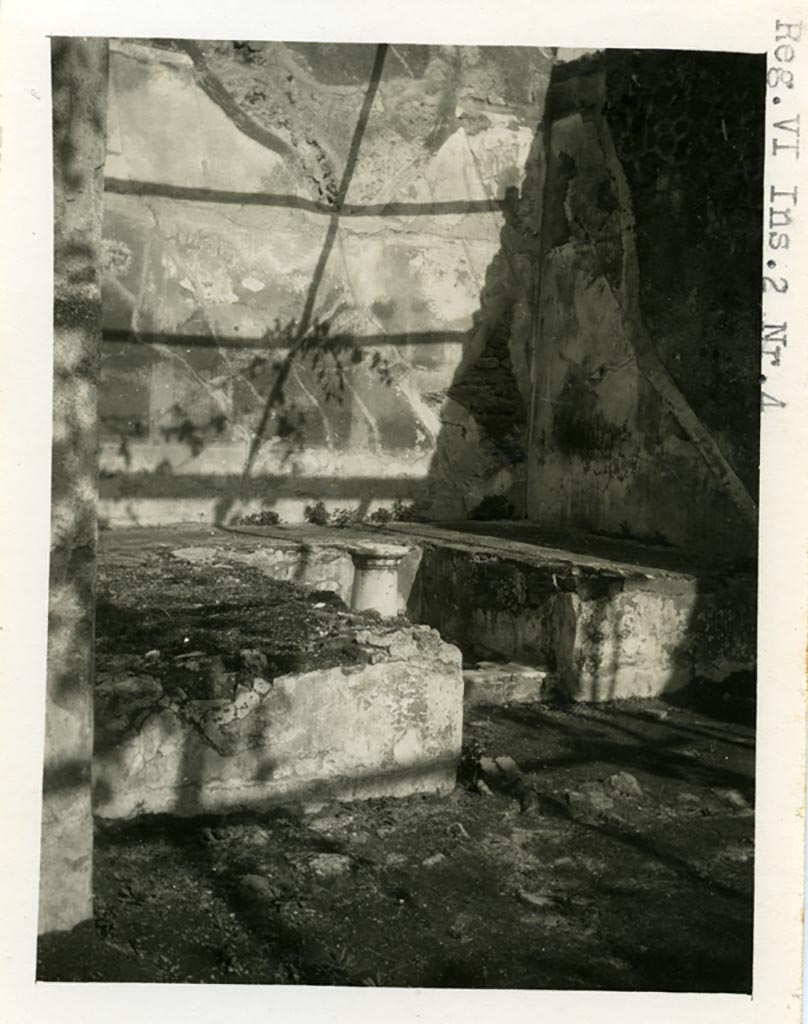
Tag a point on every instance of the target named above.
point(404, 512)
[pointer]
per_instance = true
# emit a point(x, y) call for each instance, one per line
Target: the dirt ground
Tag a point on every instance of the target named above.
point(606, 847)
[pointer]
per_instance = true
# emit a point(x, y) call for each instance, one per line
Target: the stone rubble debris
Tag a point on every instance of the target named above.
point(258, 885)
point(655, 714)
point(589, 800)
point(734, 798)
point(494, 684)
point(606, 798)
point(253, 661)
point(189, 655)
point(535, 900)
point(504, 774)
point(625, 785)
point(460, 927)
point(331, 865)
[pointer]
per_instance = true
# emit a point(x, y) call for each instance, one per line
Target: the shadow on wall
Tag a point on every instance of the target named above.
point(482, 447)
point(580, 394)
point(315, 381)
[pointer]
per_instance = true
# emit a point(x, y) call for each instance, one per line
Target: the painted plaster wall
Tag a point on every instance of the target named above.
point(646, 410)
point(429, 278)
point(435, 354)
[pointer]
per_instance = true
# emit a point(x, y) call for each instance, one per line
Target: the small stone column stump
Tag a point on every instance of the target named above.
point(376, 577)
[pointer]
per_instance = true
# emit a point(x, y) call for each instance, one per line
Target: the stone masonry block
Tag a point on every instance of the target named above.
point(391, 727)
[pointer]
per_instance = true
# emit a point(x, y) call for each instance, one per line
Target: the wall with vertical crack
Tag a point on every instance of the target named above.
point(646, 410)
point(224, 169)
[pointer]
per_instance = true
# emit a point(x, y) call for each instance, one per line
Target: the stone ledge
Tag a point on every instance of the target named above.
point(497, 684)
point(607, 637)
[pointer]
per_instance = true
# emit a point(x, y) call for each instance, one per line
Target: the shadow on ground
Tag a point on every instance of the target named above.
point(632, 870)
point(618, 856)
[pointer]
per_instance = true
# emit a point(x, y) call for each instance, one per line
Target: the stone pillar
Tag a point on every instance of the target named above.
point(79, 75)
point(376, 578)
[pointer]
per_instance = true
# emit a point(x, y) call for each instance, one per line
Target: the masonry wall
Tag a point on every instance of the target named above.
point(297, 308)
point(79, 70)
point(646, 413)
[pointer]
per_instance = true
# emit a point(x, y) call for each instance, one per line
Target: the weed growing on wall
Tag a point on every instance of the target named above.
point(316, 514)
point(266, 517)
